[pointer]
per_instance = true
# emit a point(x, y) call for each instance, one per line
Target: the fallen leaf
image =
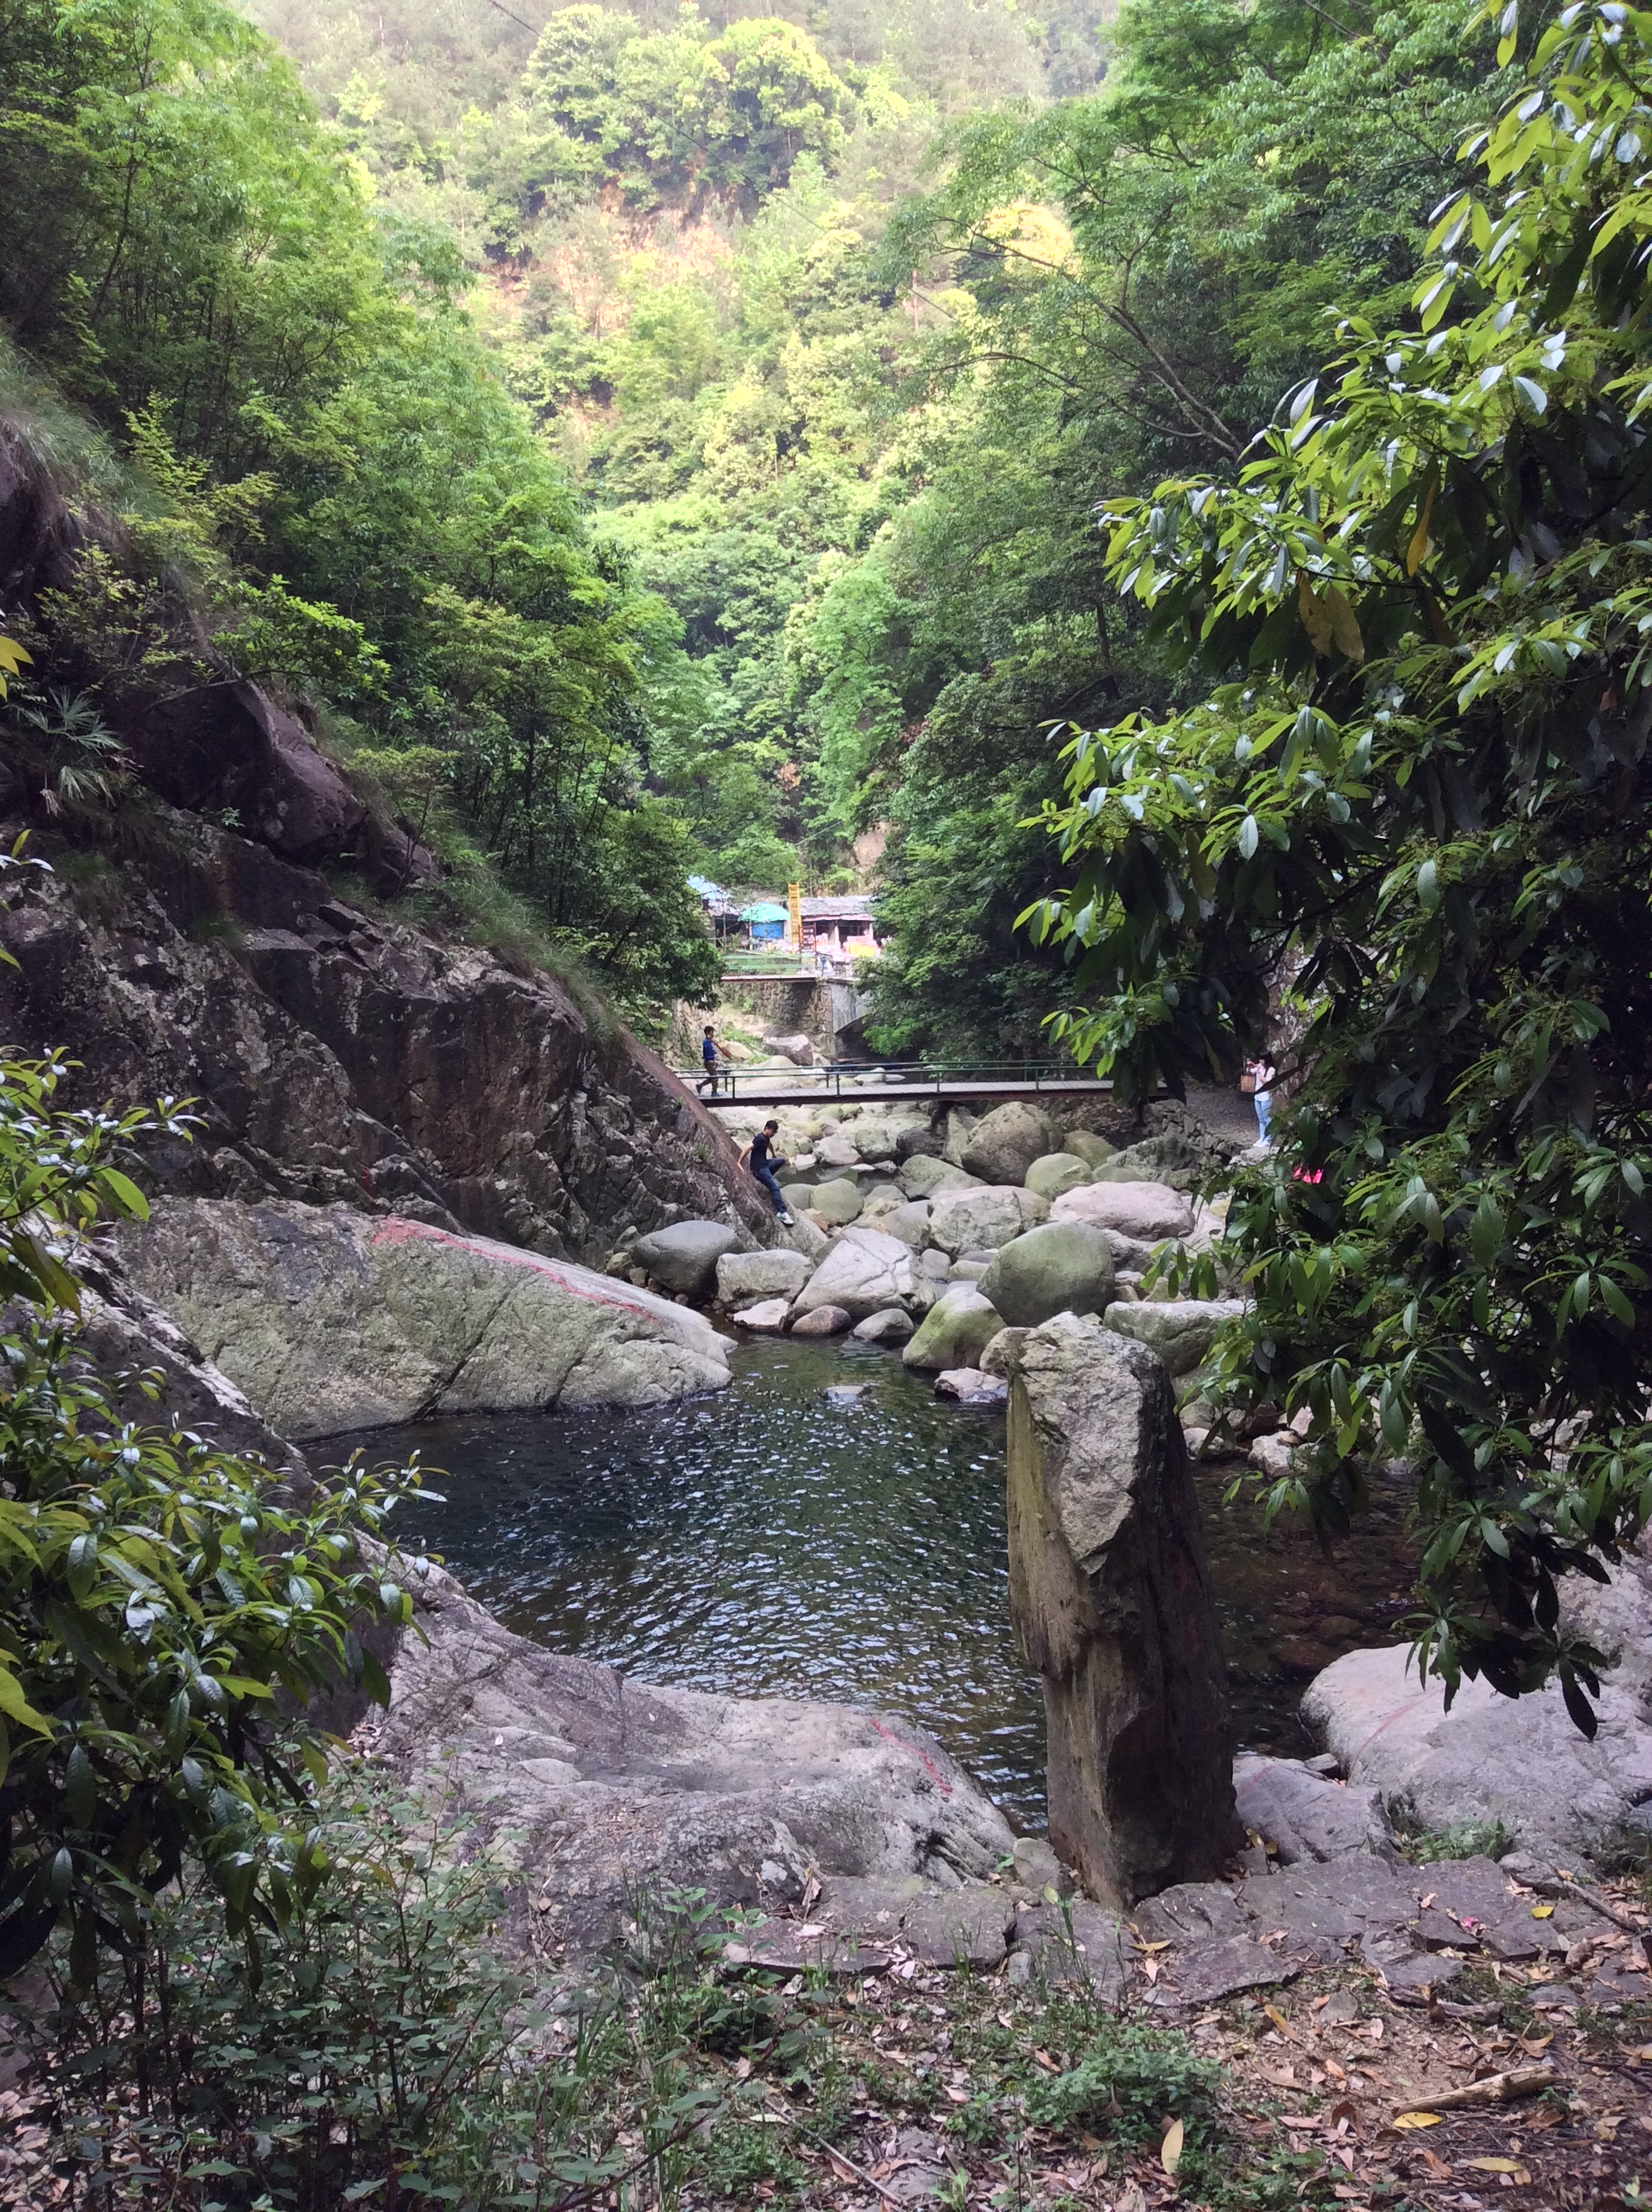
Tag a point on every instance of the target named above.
point(1150, 1967)
point(1318, 2002)
point(959, 2096)
point(1425, 1902)
point(1335, 2070)
point(1493, 2165)
point(1164, 1946)
point(1344, 2159)
point(840, 2167)
point(1437, 2166)
point(1546, 2115)
point(1535, 2044)
point(1542, 1912)
point(1042, 2058)
point(1169, 2151)
point(1279, 2020)
point(1417, 2119)
point(1375, 2031)
point(1004, 2020)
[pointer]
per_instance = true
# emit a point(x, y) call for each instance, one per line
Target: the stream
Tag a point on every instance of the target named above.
point(827, 1527)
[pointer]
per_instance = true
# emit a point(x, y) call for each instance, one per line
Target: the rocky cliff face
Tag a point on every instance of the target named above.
point(336, 1055)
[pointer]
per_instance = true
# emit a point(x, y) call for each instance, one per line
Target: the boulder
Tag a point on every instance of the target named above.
point(1307, 1817)
point(1002, 1352)
point(798, 1196)
point(1145, 1211)
point(1061, 1267)
point(798, 1049)
point(910, 1223)
point(971, 1386)
point(1520, 1761)
point(768, 1318)
point(330, 1320)
point(892, 1326)
point(984, 1217)
point(874, 1141)
point(1002, 1146)
point(802, 1235)
point(779, 1274)
point(864, 1272)
point(838, 1152)
point(1085, 1145)
point(923, 1175)
point(880, 1202)
point(1171, 1159)
point(919, 1140)
point(822, 1321)
point(1055, 1173)
point(684, 1257)
point(1180, 1330)
point(1111, 1597)
point(954, 1332)
point(593, 1785)
point(958, 1125)
point(837, 1201)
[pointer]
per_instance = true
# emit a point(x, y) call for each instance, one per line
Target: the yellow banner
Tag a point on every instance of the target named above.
point(794, 916)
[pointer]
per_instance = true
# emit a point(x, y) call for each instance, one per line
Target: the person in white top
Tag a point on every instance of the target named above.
point(1259, 1081)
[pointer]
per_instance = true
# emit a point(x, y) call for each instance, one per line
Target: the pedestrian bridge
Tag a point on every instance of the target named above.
point(916, 1084)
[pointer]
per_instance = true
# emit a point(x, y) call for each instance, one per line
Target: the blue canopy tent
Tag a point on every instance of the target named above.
point(766, 921)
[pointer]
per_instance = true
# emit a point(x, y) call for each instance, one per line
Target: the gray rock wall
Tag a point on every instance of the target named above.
point(1112, 1602)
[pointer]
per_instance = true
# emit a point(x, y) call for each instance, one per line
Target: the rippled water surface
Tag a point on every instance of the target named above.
point(827, 1528)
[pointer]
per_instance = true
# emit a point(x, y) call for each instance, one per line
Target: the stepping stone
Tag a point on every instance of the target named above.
point(1211, 1971)
point(967, 1927)
point(1474, 1902)
point(1097, 1951)
point(1323, 1909)
point(1193, 1912)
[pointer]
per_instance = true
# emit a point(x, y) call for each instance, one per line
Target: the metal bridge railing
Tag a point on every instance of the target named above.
point(919, 1078)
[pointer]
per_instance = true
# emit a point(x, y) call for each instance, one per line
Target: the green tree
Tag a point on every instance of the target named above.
point(1420, 800)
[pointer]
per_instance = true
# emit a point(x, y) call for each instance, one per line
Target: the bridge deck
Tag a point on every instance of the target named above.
point(799, 1091)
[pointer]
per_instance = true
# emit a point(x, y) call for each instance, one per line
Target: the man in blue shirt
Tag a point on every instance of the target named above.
point(763, 1160)
point(709, 1049)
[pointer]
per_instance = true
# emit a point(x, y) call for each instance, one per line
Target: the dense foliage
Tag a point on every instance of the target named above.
point(1421, 795)
point(157, 1598)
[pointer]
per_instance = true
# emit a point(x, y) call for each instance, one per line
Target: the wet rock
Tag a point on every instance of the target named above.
point(983, 1218)
point(969, 1386)
point(892, 1326)
point(1061, 1267)
point(924, 1174)
point(1111, 1597)
point(954, 1333)
point(837, 1201)
point(767, 1317)
point(864, 1272)
point(1005, 1143)
point(822, 1321)
point(590, 1785)
point(1306, 1816)
point(684, 1257)
point(778, 1274)
point(1180, 1330)
point(1519, 1760)
point(1056, 1172)
point(999, 1356)
point(1144, 1212)
point(331, 1320)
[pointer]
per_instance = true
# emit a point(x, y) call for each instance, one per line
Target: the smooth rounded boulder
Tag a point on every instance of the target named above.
point(837, 1201)
point(1061, 1267)
point(954, 1332)
point(837, 1151)
point(1180, 1330)
point(1146, 1211)
point(890, 1327)
point(1003, 1145)
point(910, 1223)
point(780, 1273)
point(926, 1173)
point(1088, 1146)
point(1055, 1173)
point(983, 1218)
point(822, 1321)
point(684, 1257)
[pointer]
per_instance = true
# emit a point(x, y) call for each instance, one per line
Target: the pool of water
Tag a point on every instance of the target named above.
point(827, 1528)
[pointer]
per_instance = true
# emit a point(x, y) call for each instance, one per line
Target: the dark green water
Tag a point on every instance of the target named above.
point(827, 1528)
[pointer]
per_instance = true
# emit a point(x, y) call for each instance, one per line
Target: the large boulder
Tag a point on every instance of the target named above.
point(891, 1327)
point(1111, 1597)
point(684, 1257)
point(1061, 1267)
point(1002, 1146)
point(982, 1218)
point(954, 1332)
point(838, 1152)
point(798, 1048)
point(837, 1201)
point(1084, 1145)
point(910, 1223)
point(874, 1141)
point(863, 1270)
point(924, 1174)
point(1171, 1158)
point(1520, 1761)
point(1180, 1330)
point(331, 1320)
point(919, 1139)
point(1055, 1173)
point(1147, 1211)
point(590, 1786)
point(776, 1274)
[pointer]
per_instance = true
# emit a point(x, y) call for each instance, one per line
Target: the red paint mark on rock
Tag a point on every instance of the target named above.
point(396, 1229)
point(900, 1744)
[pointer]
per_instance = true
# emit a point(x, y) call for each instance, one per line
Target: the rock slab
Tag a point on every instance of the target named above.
point(1111, 1596)
point(331, 1320)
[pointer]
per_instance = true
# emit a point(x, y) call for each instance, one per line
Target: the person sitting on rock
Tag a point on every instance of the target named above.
point(763, 1160)
point(709, 1049)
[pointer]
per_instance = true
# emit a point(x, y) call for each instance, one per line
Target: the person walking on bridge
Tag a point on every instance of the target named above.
point(709, 1049)
point(763, 1159)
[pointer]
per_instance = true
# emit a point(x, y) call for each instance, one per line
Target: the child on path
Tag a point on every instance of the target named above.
point(763, 1160)
point(709, 1049)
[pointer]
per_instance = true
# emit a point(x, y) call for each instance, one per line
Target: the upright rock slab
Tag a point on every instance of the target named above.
point(1112, 1602)
point(330, 1320)
point(864, 1272)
